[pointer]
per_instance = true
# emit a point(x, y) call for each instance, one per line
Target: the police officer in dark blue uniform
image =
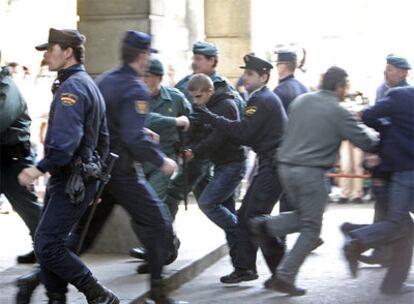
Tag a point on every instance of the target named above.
point(261, 128)
point(77, 131)
point(127, 98)
point(289, 87)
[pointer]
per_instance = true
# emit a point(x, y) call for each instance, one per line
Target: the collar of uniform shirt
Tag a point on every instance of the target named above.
point(252, 93)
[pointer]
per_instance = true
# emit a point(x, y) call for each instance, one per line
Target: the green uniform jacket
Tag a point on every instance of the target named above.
point(182, 85)
point(14, 118)
point(169, 104)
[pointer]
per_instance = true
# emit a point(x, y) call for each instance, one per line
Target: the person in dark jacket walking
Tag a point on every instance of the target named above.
point(15, 155)
point(217, 201)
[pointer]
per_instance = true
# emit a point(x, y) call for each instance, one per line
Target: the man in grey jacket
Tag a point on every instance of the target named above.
point(317, 124)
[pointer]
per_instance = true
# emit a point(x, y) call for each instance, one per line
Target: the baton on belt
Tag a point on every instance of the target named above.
point(104, 179)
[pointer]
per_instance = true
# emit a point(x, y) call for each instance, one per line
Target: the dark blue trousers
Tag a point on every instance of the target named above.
point(148, 214)
point(59, 264)
point(262, 195)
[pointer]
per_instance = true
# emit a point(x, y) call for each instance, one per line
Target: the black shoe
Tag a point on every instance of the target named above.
point(373, 260)
point(357, 200)
point(238, 276)
point(143, 268)
point(283, 286)
point(97, 294)
point(108, 298)
point(158, 294)
point(352, 251)
point(28, 258)
point(404, 288)
point(56, 298)
point(26, 285)
point(138, 253)
point(343, 201)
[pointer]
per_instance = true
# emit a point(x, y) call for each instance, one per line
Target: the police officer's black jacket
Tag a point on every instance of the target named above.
point(210, 143)
point(262, 125)
point(77, 122)
point(288, 89)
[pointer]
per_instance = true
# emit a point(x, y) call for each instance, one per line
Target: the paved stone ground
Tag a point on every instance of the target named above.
point(325, 274)
point(198, 236)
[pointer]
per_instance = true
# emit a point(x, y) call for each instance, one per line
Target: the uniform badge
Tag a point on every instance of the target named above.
point(141, 106)
point(250, 110)
point(68, 99)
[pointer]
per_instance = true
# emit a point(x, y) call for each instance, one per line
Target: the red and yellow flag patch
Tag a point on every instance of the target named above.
point(68, 99)
point(141, 106)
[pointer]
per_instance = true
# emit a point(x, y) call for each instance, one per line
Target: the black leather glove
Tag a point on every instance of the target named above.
point(202, 116)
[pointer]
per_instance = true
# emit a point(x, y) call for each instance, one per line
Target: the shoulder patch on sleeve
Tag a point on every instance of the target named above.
point(250, 110)
point(141, 106)
point(68, 99)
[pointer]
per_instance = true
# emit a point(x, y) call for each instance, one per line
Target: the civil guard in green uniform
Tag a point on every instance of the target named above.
point(205, 60)
point(168, 116)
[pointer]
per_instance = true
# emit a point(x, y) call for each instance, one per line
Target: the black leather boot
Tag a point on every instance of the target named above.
point(138, 253)
point(158, 294)
point(97, 294)
point(26, 284)
point(56, 298)
point(28, 258)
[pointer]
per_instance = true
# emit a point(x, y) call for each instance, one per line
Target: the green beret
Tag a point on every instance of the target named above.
point(155, 67)
point(205, 48)
point(398, 62)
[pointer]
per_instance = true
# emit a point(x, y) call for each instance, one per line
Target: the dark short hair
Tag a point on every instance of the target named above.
point(129, 53)
point(78, 51)
point(333, 78)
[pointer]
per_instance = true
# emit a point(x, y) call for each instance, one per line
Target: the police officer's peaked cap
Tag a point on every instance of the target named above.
point(139, 40)
point(155, 67)
point(285, 56)
point(69, 37)
point(256, 64)
point(205, 48)
point(398, 62)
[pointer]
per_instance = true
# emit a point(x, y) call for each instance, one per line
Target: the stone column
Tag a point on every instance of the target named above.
point(228, 25)
point(104, 22)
